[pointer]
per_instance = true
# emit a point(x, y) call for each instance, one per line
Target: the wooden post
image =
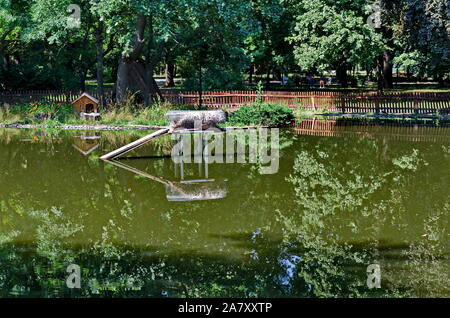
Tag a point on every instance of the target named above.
point(377, 103)
point(416, 105)
point(343, 103)
point(313, 100)
point(200, 87)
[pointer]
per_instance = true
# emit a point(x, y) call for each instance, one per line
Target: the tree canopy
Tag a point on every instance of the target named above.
point(214, 44)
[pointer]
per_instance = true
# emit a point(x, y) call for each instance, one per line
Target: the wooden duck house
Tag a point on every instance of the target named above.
point(85, 104)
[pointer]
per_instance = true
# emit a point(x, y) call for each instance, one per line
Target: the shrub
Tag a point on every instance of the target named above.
point(272, 115)
point(6, 116)
point(36, 112)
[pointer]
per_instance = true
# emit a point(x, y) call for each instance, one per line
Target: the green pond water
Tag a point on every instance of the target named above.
point(344, 197)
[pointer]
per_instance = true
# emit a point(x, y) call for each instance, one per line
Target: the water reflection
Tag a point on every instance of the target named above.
point(183, 190)
point(87, 142)
point(337, 205)
point(416, 131)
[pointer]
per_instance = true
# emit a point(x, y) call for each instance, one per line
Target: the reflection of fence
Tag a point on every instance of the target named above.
point(372, 130)
point(335, 101)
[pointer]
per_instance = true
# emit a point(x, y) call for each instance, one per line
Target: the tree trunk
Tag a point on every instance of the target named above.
point(124, 72)
point(170, 75)
point(342, 75)
point(268, 78)
point(83, 80)
point(251, 72)
point(5, 62)
point(134, 78)
point(100, 62)
point(200, 86)
point(122, 83)
point(277, 75)
point(440, 80)
point(153, 56)
point(385, 70)
point(388, 66)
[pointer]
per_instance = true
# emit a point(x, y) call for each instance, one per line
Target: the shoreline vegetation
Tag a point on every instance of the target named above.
point(132, 116)
point(299, 116)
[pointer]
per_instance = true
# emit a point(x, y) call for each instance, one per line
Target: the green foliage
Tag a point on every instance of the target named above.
point(267, 44)
point(329, 34)
point(260, 93)
point(215, 42)
point(348, 191)
point(272, 115)
point(36, 112)
point(210, 39)
point(425, 33)
point(409, 162)
point(215, 78)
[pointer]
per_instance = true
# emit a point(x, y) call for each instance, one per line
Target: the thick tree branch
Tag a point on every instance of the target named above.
point(140, 39)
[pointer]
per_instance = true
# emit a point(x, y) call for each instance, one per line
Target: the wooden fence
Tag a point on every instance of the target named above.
point(334, 101)
point(44, 96)
point(317, 100)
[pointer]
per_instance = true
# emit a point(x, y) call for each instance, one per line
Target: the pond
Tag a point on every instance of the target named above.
point(345, 196)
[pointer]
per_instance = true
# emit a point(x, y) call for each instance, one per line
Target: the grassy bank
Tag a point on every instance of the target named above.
point(55, 114)
point(58, 114)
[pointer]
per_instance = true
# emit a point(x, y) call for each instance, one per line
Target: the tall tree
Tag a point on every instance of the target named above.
point(212, 38)
point(334, 35)
point(389, 13)
point(143, 29)
point(426, 36)
point(266, 45)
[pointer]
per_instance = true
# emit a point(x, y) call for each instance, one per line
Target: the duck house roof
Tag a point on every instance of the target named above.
point(95, 100)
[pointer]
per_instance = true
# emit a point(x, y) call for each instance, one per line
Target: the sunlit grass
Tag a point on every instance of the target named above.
point(128, 113)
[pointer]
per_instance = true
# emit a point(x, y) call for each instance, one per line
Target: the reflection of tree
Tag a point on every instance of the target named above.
point(344, 195)
point(120, 271)
point(324, 192)
point(427, 268)
point(126, 246)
